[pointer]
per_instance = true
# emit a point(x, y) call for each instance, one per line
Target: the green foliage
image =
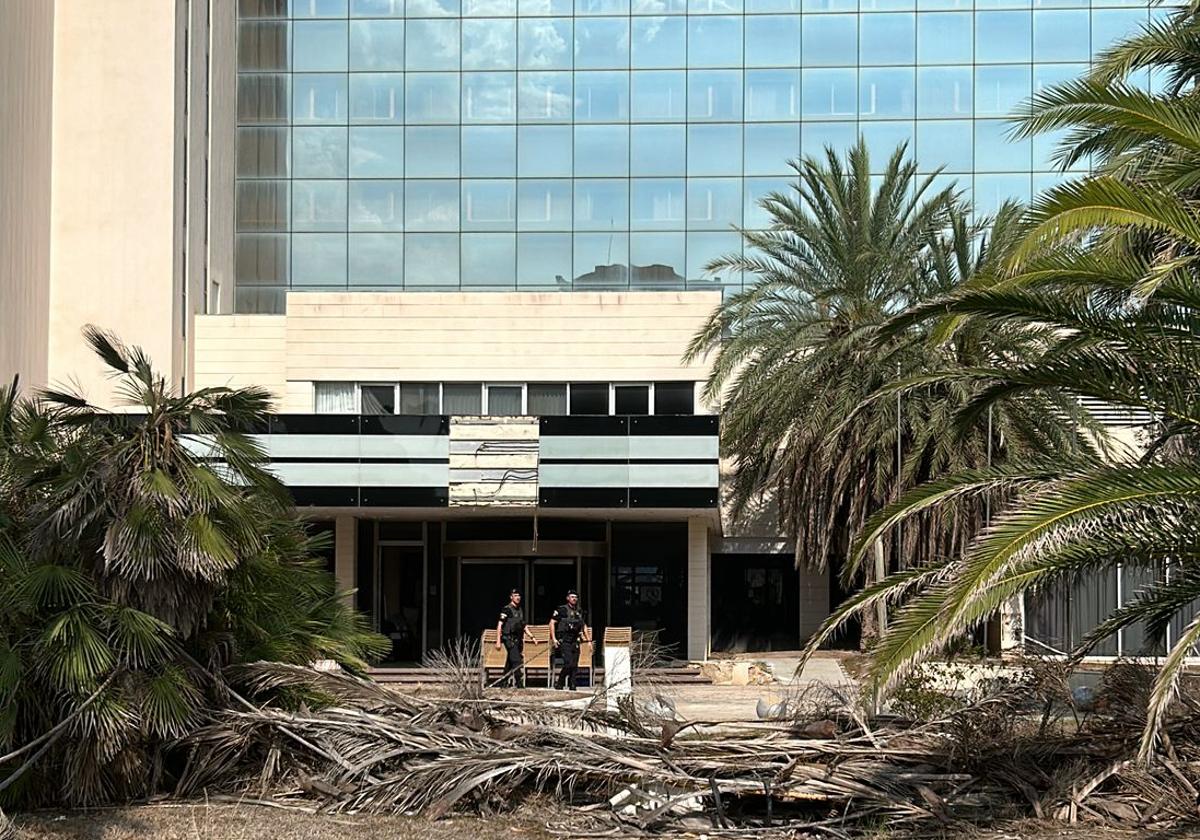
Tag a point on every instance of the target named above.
point(141, 555)
point(1106, 273)
point(803, 373)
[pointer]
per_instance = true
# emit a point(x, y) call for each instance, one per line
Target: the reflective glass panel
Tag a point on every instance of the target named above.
point(886, 92)
point(544, 204)
point(432, 45)
point(602, 150)
point(658, 94)
point(714, 150)
point(489, 44)
point(830, 40)
point(656, 203)
point(489, 150)
point(659, 42)
point(714, 95)
point(829, 93)
point(431, 205)
point(544, 97)
point(431, 97)
point(431, 259)
point(714, 203)
point(489, 260)
point(602, 96)
point(887, 38)
point(377, 45)
point(318, 98)
point(319, 45)
point(1003, 36)
point(772, 95)
point(543, 260)
point(1000, 88)
point(489, 97)
point(319, 259)
point(769, 147)
point(545, 44)
point(601, 43)
point(376, 97)
point(657, 150)
point(945, 38)
point(944, 91)
point(376, 259)
point(376, 152)
point(431, 152)
point(376, 205)
point(318, 205)
point(489, 205)
point(714, 41)
point(319, 152)
point(773, 41)
point(544, 151)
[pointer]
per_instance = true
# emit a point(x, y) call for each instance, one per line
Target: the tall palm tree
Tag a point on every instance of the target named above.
point(1108, 270)
point(140, 554)
point(795, 356)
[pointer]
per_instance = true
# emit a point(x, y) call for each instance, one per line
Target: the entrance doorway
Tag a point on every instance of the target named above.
point(552, 579)
point(399, 608)
point(484, 591)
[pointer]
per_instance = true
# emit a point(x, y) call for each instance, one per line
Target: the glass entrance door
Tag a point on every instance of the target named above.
point(399, 605)
point(551, 581)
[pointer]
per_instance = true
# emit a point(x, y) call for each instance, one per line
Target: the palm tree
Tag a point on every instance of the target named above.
point(1107, 269)
point(141, 553)
point(795, 356)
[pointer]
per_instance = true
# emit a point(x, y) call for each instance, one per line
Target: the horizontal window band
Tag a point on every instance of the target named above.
point(583, 497)
point(626, 461)
point(651, 497)
point(370, 496)
point(634, 426)
point(359, 424)
point(300, 459)
point(673, 497)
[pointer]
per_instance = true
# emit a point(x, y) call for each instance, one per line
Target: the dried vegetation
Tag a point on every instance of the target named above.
point(1024, 749)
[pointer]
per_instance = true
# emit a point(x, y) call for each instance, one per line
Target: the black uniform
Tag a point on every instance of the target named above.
point(512, 636)
point(568, 628)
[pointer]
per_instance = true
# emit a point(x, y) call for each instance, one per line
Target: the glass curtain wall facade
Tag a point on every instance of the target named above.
point(607, 144)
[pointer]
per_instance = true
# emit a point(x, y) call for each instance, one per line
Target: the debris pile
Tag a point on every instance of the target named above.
point(824, 769)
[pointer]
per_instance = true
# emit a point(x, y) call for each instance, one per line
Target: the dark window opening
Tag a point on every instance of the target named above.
point(589, 398)
point(378, 399)
point(674, 398)
point(632, 399)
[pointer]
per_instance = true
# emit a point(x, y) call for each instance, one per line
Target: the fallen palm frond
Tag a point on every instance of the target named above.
point(375, 750)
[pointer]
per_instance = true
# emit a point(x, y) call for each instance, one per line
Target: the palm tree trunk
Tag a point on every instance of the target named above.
point(873, 623)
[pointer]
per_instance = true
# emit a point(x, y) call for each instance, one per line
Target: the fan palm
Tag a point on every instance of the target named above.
point(140, 553)
point(1107, 269)
point(795, 355)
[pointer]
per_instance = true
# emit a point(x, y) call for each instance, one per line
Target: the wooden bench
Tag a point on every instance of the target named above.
point(539, 663)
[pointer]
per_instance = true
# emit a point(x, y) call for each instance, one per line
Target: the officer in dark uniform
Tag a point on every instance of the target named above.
point(567, 628)
point(511, 632)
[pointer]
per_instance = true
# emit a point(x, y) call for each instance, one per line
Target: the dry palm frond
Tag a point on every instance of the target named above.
point(379, 751)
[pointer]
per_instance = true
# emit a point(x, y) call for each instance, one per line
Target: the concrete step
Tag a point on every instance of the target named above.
point(414, 675)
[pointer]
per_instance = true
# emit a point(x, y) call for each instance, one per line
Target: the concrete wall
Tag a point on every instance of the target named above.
point(26, 98)
point(114, 216)
point(419, 336)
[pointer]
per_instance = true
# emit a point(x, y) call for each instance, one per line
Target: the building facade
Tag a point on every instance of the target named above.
point(463, 243)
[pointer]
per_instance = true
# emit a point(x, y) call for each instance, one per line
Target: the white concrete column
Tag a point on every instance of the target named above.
point(1012, 624)
point(345, 554)
point(699, 588)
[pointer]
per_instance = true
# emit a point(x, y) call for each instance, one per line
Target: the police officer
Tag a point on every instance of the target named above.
point(511, 632)
point(567, 628)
